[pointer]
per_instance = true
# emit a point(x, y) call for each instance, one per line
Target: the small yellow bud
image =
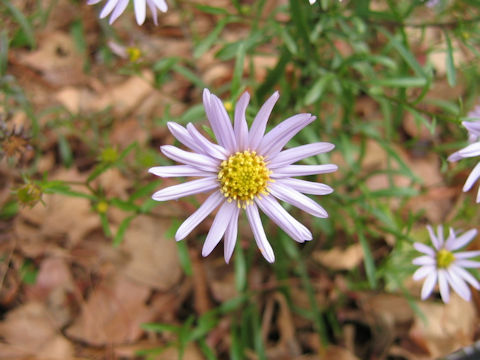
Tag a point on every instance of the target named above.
point(29, 194)
point(134, 53)
point(102, 207)
point(228, 106)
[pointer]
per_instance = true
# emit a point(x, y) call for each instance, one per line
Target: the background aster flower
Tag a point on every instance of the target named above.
point(472, 150)
point(246, 170)
point(445, 265)
point(117, 7)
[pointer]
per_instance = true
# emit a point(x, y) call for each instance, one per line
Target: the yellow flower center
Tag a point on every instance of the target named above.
point(444, 258)
point(243, 176)
point(134, 54)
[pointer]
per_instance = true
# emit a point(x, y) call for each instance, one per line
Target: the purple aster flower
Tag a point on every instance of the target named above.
point(432, 3)
point(246, 170)
point(472, 150)
point(445, 265)
point(117, 7)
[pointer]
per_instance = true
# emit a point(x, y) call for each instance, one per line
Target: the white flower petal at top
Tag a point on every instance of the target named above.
point(444, 265)
point(117, 7)
point(245, 170)
point(472, 150)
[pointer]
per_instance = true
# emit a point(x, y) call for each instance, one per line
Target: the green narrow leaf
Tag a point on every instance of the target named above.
point(23, 22)
point(3, 52)
point(211, 9)
point(400, 82)
point(207, 43)
point(78, 34)
point(65, 151)
point(98, 170)
point(238, 70)
point(240, 268)
point(450, 64)
point(318, 88)
point(160, 327)
point(105, 225)
point(288, 40)
point(368, 260)
point(273, 76)
point(405, 53)
point(121, 230)
point(189, 75)
point(206, 350)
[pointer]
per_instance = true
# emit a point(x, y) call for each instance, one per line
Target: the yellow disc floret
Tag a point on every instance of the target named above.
point(243, 176)
point(444, 258)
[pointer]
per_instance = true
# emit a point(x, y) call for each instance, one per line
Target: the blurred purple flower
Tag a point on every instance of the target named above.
point(444, 265)
point(117, 7)
point(247, 170)
point(432, 3)
point(472, 150)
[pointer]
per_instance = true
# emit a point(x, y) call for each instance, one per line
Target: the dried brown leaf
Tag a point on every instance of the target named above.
point(113, 313)
point(154, 260)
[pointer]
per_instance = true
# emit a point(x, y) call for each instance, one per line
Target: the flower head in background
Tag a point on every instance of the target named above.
point(432, 3)
point(246, 170)
point(472, 150)
point(117, 7)
point(445, 265)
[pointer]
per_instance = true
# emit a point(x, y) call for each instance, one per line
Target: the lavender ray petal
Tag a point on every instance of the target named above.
point(199, 161)
point(433, 237)
point(161, 4)
point(199, 215)
point(295, 198)
point(108, 8)
point(259, 233)
point(470, 150)
point(467, 254)
point(424, 260)
point(303, 170)
point(453, 244)
point(177, 170)
point(219, 226)
point(186, 189)
point(93, 2)
point(140, 10)
point(465, 275)
point(458, 285)
point(473, 127)
point(306, 187)
point(440, 236)
point(278, 137)
point(183, 135)
point(119, 9)
point(257, 130)
point(443, 286)
point(231, 235)
point(206, 145)
point(428, 285)
point(424, 249)
point(153, 10)
point(212, 117)
point(240, 127)
point(295, 154)
point(455, 157)
point(423, 271)
point(467, 263)
point(472, 178)
point(225, 125)
point(296, 230)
